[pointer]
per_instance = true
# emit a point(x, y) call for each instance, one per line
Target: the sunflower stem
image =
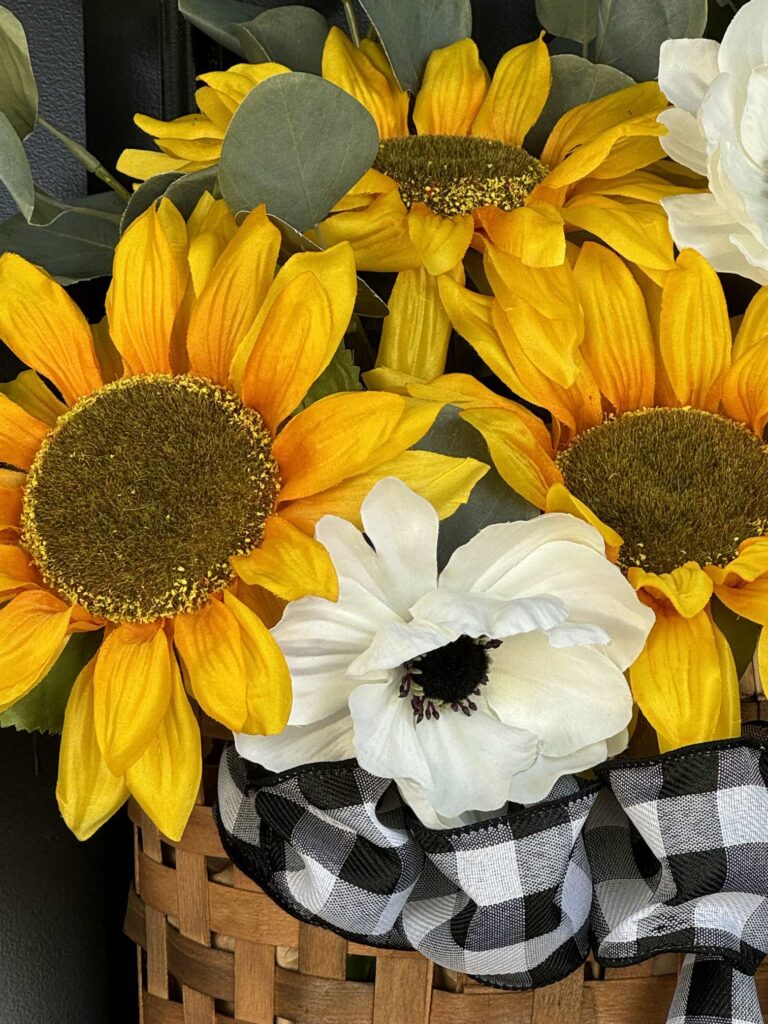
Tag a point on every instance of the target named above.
point(88, 160)
point(354, 29)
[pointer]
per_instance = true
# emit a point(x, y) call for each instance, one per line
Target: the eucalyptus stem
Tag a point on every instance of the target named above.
point(354, 29)
point(88, 160)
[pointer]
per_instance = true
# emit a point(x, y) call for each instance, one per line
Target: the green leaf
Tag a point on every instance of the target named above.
point(185, 192)
point(218, 18)
point(340, 374)
point(409, 31)
point(573, 19)
point(146, 194)
point(294, 36)
point(15, 173)
point(630, 32)
point(313, 141)
point(491, 501)
point(42, 710)
point(741, 634)
point(575, 80)
point(367, 303)
point(78, 245)
point(18, 89)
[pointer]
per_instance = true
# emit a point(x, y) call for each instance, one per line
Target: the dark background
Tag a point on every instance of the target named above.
point(63, 958)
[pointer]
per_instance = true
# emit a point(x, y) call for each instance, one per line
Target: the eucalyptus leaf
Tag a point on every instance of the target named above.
point(340, 374)
point(575, 80)
point(18, 89)
point(630, 32)
point(491, 501)
point(293, 36)
point(185, 192)
point(146, 194)
point(367, 303)
point(42, 710)
point(409, 31)
point(218, 18)
point(15, 172)
point(313, 142)
point(78, 245)
point(573, 19)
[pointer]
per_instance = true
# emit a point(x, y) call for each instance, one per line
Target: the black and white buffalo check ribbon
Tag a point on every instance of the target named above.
point(678, 847)
point(506, 901)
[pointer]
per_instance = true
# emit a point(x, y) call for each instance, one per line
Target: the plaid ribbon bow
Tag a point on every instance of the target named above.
point(678, 847)
point(506, 901)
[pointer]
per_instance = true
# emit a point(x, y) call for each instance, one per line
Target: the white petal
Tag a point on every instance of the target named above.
point(536, 783)
point(572, 634)
point(495, 550)
point(748, 187)
point(414, 797)
point(745, 43)
point(320, 639)
point(687, 67)
point(486, 615)
point(755, 254)
point(721, 109)
point(352, 555)
point(397, 643)
point(685, 142)
point(754, 120)
point(618, 743)
point(327, 740)
point(699, 222)
point(385, 738)
point(569, 698)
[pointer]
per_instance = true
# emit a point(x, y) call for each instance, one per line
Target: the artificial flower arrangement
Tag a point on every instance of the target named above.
point(434, 603)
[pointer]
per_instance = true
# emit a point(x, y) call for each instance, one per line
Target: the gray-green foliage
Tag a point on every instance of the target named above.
point(298, 144)
point(218, 18)
point(18, 89)
point(293, 36)
point(15, 173)
point(571, 19)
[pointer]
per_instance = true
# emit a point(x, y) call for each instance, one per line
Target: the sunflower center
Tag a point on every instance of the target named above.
point(146, 488)
point(679, 485)
point(447, 677)
point(456, 174)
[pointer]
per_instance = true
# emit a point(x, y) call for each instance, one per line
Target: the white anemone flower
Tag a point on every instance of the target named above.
point(470, 688)
point(719, 128)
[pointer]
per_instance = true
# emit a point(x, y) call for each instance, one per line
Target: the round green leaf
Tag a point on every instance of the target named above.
point(218, 18)
point(409, 31)
point(630, 32)
point(14, 169)
point(298, 144)
point(18, 89)
point(293, 36)
point(571, 19)
point(145, 195)
point(185, 192)
point(574, 81)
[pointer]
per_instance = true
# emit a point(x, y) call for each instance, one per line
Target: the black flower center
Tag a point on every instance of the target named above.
point(143, 492)
point(456, 174)
point(678, 485)
point(447, 677)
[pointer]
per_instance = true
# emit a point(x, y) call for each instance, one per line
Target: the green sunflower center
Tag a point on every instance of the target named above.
point(679, 485)
point(456, 174)
point(146, 488)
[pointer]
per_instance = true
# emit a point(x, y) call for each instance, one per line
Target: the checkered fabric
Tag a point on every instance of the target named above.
point(678, 847)
point(506, 901)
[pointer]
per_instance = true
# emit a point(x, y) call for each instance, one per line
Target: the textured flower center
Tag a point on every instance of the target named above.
point(447, 677)
point(678, 485)
point(455, 174)
point(146, 488)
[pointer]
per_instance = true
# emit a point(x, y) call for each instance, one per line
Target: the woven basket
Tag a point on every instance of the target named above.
point(215, 949)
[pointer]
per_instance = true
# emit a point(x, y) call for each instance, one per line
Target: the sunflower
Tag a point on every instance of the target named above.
point(463, 176)
point(656, 439)
point(164, 493)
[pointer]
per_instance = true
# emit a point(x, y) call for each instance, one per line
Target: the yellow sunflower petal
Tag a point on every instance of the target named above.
point(245, 693)
point(452, 91)
point(729, 722)
point(517, 94)
point(235, 289)
point(20, 434)
point(87, 792)
point(289, 564)
point(189, 127)
point(300, 326)
point(349, 68)
point(110, 363)
point(560, 499)
point(754, 325)
point(148, 284)
point(346, 435)
point(618, 342)
point(688, 588)
point(132, 688)
point(444, 481)
point(30, 392)
point(637, 231)
point(145, 163)
point(742, 585)
point(45, 329)
point(17, 571)
point(166, 778)
point(441, 242)
point(33, 633)
point(678, 680)
point(11, 490)
point(415, 335)
point(534, 233)
point(745, 388)
point(211, 228)
point(236, 82)
point(695, 342)
point(378, 235)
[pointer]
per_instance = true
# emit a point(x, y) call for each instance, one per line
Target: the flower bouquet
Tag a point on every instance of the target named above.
point(418, 454)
